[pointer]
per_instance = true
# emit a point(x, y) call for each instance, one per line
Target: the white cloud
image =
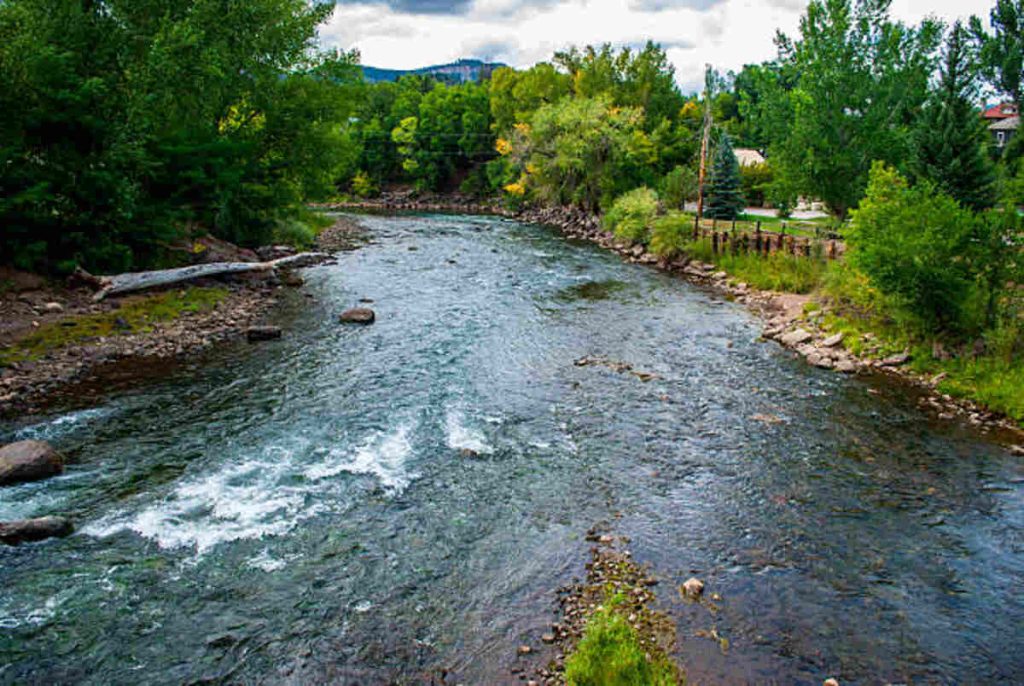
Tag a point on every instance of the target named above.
point(724, 33)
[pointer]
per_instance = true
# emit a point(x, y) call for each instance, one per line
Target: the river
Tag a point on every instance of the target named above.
point(389, 503)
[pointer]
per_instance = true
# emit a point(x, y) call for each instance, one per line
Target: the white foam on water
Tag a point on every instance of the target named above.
point(60, 426)
point(10, 619)
point(463, 437)
point(383, 455)
point(249, 500)
point(268, 563)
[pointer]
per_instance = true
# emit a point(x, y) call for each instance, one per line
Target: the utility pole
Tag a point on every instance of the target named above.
point(705, 142)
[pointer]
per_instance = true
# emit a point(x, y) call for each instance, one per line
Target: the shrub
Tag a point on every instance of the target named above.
point(363, 186)
point(913, 244)
point(756, 180)
point(678, 186)
point(671, 234)
point(632, 215)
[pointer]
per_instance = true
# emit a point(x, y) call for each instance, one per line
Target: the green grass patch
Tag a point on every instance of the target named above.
point(135, 315)
point(301, 230)
point(778, 272)
point(611, 654)
point(993, 382)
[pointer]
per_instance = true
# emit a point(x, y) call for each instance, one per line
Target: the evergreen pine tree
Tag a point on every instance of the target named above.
point(950, 139)
point(725, 200)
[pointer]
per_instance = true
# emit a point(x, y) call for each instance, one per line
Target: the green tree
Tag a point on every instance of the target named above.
point(856, 81)
point(1002, 51)
point(917, 246)
point(950, 139)
point(127, 122)
point(586, 152)
point(725, 198)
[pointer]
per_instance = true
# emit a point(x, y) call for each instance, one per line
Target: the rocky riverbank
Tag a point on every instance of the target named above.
point(27, 385)
point(785, 315)
point(55, 335)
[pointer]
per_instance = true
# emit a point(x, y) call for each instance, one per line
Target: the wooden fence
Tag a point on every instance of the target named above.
point(749, 236)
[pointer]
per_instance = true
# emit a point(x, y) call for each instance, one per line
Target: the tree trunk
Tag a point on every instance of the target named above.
point(137, 281)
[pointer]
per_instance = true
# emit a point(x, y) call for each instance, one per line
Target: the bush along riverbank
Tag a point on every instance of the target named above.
point(821, 309)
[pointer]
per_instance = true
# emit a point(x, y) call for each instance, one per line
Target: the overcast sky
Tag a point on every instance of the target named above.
point(727, 33)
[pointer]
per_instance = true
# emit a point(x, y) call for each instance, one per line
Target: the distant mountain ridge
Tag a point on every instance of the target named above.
point(460, 71)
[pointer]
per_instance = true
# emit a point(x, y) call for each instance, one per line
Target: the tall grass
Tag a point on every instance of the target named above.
point(778, 272)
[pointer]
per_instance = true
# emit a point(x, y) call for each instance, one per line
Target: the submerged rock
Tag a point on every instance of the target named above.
point(29, 530)
point(358, 315)
point(262, 333)
point(29, 461)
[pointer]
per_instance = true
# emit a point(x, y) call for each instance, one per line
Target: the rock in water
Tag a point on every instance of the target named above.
point(358, 315)
point(262, 333)
point(692, 588)
point(29, 461)
point(28, 530)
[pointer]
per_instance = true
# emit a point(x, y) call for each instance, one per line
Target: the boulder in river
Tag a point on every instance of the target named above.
point(262, 333)
point(28, 530)
point(358, 315)
point(29, 461)
point(692, 588)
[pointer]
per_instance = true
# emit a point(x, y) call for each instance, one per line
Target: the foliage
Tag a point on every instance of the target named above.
point(842, 95)
point(915, 244)
point(725, 199)
point(363, 186)
point(632, 215)
point(126, 122)
point(137, 314)
point(671, 234)
point(679, 186)
point(950, 138)
point(756, 182)
point(611, 654)
point(643, 79)
point(1002, 51)
point(585, 152)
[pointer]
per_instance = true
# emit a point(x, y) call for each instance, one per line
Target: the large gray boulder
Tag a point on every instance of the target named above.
point(28, 461)
point(28, 530)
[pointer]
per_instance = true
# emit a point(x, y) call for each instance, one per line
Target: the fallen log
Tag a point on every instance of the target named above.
point(137, 281)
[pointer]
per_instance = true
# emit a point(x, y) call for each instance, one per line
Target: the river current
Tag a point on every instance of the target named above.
point(393, 503)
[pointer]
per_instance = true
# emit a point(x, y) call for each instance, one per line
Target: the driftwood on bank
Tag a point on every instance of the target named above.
point(137, 281)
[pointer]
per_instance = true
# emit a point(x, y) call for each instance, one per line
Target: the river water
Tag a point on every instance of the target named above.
point(390, 503)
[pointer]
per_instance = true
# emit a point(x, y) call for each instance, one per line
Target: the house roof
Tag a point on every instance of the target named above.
point(748, 156)
point(1003, 110)
point(1009, 124)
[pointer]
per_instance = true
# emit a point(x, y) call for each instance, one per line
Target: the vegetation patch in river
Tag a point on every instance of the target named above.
point(592, 290)
point(609, 631)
